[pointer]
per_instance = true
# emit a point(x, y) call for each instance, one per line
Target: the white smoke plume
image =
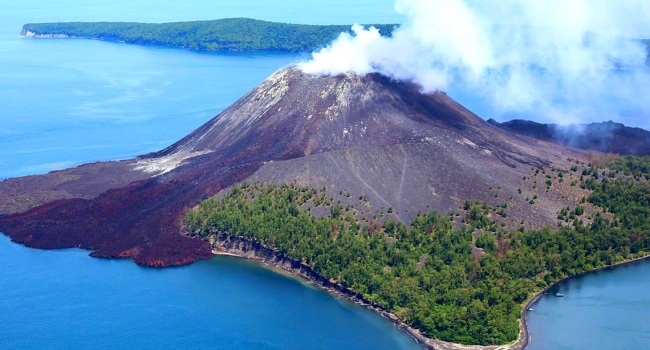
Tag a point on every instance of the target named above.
point(563, 61)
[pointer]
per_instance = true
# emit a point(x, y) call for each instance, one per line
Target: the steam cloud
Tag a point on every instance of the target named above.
point(564, 61)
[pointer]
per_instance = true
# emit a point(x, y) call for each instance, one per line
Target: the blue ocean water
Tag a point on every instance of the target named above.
point(66, 102)
point(65, 300)
point(606, 309)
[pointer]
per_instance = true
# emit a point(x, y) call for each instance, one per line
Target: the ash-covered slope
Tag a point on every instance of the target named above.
point(367, 135)
point(293, 114)
point(606, 137)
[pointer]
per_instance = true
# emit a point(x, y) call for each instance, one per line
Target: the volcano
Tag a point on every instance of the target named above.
point(365, 135)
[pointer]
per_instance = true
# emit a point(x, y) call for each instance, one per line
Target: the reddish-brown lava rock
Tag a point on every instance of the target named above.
point(402, 148)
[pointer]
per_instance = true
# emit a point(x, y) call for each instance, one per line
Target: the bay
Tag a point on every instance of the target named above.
point(605, 309)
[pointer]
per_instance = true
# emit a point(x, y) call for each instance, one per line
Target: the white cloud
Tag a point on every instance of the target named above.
point(553, 58)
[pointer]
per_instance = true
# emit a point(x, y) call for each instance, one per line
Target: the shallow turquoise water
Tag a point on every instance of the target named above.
point(65, 102)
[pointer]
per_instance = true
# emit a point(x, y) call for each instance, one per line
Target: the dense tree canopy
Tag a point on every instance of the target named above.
point(463, 283)
point(236, 34)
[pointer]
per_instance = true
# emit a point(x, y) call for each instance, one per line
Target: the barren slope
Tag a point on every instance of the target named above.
point(367, 135)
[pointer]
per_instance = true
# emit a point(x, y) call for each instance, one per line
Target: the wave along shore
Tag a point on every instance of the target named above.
point(29, 34)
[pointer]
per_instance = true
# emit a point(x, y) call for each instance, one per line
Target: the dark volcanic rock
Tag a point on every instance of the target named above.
point(365, 134)
point(85, 181)
point(606, 137)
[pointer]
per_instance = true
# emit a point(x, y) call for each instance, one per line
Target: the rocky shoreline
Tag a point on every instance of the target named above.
point(238, 246)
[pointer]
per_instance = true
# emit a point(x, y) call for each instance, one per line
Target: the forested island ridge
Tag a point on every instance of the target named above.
point(230, 34)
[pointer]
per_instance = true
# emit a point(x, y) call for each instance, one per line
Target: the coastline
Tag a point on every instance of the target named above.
point(244, 248)
point(34, 35)
point(523, 332)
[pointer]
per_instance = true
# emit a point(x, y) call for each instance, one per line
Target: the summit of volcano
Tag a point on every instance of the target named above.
point(367, 135)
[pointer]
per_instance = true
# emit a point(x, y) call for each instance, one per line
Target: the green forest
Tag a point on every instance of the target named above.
point(229, 34)
point(235, 34)
point(464, 284)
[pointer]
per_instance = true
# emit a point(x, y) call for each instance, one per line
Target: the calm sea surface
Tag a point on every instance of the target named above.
point(607, 309)
point(66, 102)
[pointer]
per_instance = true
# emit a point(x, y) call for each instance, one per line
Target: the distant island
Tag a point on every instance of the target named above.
point(228, 34)
point(231, 34)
